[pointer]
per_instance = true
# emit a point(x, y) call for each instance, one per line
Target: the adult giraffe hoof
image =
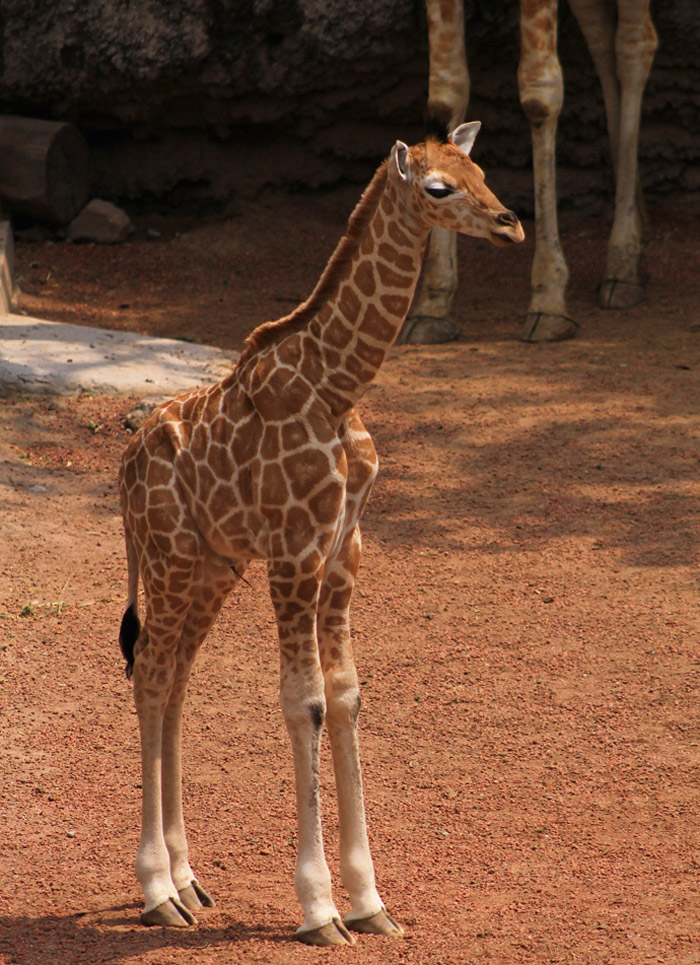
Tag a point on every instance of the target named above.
point(195, 897)
point(171, 914)
point(615, 293)
point(380, 924)
point(424, 330)
point(541, 327)
point(334, 933)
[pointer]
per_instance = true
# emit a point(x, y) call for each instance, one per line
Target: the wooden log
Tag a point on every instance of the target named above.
point(7, 267)
point(43, 169)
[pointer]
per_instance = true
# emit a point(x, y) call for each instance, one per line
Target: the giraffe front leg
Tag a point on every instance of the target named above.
point(304, 710)
point(368, 913)
point(541, 94)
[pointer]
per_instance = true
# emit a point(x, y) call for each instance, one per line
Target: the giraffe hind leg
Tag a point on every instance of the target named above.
point(169, 591)
point(541, 90)
point(217, 579)
point(622, 53)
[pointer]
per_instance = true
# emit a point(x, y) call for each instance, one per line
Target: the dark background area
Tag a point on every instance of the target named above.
point(208, 100)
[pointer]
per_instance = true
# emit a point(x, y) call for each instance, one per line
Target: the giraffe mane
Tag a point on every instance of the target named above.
point(438, 125)
point(270, 333)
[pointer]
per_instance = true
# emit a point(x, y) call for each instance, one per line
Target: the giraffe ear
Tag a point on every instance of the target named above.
point(399, 155)
point(465, 135)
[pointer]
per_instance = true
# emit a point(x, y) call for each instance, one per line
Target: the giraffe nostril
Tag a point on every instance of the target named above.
point(507, 218)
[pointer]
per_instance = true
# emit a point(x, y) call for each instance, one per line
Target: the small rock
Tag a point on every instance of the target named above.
point(141, 411)
point(100, 221)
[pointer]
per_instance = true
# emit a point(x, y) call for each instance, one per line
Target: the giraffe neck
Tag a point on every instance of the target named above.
point(338, 338)
point(360, 319)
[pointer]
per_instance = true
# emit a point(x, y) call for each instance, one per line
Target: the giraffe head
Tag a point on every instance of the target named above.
point(442, 187)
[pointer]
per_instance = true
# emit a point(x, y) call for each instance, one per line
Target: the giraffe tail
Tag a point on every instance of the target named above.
point(131, 625)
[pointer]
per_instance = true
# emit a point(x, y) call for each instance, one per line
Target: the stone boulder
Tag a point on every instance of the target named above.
point(101, 222)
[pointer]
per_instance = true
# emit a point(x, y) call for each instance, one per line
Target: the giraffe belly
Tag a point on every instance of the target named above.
point(239, 534)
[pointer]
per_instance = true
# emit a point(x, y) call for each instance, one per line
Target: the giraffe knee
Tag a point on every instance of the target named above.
point(344, 698)
point(541, 89)
point(317, 712)
point(542, 101)
point(310, 710)
point(537, 111)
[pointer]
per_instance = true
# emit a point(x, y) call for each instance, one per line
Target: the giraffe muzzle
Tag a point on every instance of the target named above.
point(508, 229)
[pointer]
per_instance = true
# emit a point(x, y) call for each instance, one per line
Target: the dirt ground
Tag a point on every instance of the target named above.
point(526, 624)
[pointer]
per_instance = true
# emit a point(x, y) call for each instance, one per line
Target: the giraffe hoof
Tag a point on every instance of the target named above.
point(615, 293)
point(541, 327)
point(334, 933)
point(171, 914)
point(380, 924)
point(424, 330)
point(195, 897)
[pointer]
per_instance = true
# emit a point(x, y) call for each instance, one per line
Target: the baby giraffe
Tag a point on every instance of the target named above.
point(274, 463)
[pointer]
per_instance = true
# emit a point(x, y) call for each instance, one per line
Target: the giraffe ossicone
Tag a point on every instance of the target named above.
point(274, 463)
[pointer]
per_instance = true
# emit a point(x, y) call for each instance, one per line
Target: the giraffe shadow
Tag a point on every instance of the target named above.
point(113, 935)
point(619, 473)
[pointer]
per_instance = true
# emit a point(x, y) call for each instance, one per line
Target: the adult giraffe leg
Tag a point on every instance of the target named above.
point(448, 95)
point(541, 94)
point(598, 23)
point(634, 43)
point(367, 913)
point(294, 590)
point(218, 580)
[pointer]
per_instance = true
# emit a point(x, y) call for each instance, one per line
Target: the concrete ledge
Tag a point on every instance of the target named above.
point(7, 267)
point(60, 359)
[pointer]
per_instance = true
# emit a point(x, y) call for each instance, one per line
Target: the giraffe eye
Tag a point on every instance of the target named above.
point(439, 191)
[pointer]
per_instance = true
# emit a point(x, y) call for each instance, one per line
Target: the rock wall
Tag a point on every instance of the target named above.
point(187, 100)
